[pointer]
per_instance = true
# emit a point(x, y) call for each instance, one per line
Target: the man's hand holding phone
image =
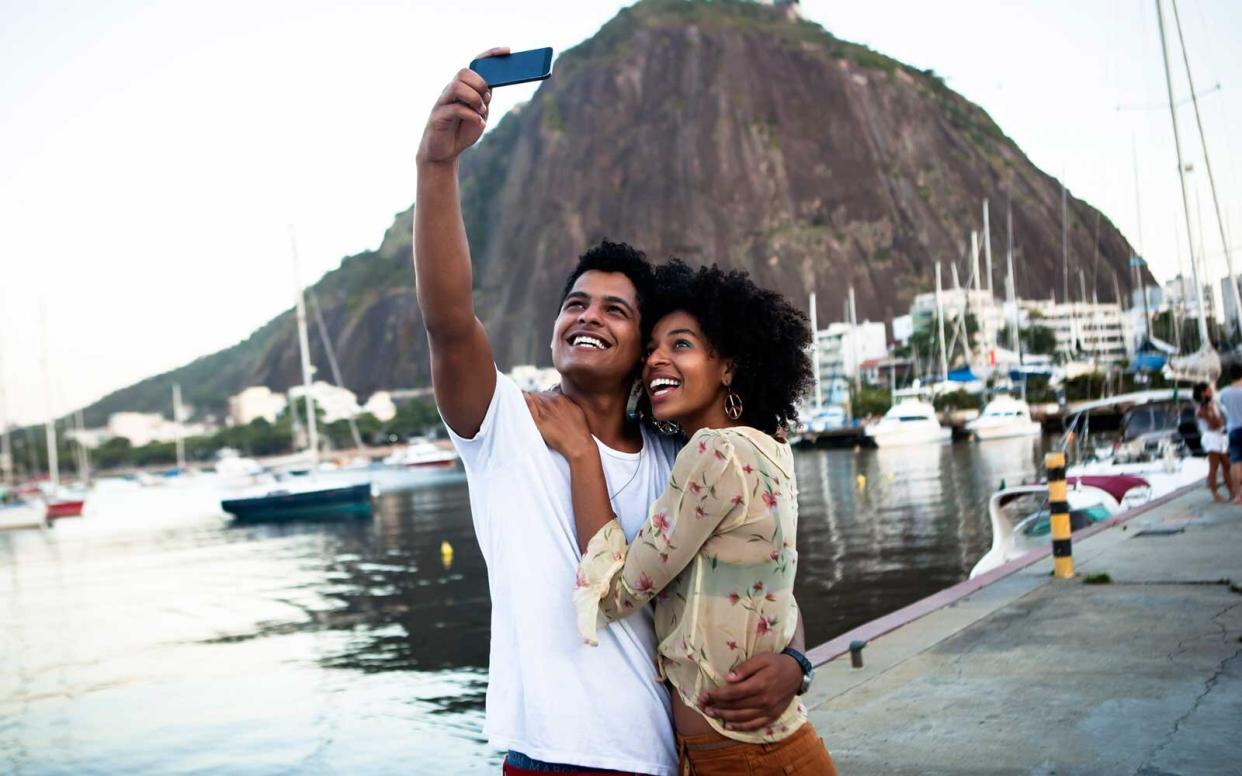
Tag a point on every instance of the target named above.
point(459, 117)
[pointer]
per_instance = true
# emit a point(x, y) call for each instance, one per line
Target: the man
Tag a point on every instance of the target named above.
point(1230, 398)
point(550, 700)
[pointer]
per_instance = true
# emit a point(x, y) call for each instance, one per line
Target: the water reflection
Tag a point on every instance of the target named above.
point(156, 636)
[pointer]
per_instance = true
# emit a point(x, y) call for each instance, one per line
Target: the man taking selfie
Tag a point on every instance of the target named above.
point(552, 703)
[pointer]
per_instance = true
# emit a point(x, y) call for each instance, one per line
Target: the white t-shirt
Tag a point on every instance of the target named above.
point(550, 696)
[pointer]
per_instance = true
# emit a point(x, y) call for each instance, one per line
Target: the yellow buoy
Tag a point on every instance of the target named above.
point(446, 554)
point(861, 480)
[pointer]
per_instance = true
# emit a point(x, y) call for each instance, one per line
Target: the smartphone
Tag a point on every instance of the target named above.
point(516, 68)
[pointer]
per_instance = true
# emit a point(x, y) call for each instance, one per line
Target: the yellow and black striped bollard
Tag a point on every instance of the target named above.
point(1058, 507)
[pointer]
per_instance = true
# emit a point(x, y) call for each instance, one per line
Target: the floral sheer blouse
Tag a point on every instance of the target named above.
point(717, 554)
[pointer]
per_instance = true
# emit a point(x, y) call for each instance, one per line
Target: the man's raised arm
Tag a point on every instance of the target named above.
point(463, 371)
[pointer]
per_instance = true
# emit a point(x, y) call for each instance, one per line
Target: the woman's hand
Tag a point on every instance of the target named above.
point(562, 423)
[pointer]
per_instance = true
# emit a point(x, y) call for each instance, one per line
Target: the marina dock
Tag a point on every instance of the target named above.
point(1135, 672)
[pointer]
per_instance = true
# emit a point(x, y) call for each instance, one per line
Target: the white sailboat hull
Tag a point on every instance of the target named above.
point(984, 431)
point(905, 434)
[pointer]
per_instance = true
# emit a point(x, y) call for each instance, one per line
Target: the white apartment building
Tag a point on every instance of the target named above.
point(256, 402)
point(381, 406)
point(337, 403)
point(534, 378)
point(982, 305)
point(1101, 330)
point(840, 349)
point(143, 428)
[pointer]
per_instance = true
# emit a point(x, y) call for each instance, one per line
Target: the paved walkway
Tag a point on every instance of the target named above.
point(1034, 675)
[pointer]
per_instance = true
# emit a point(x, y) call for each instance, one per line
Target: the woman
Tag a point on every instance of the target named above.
point(1211, 419)
point(726, 365)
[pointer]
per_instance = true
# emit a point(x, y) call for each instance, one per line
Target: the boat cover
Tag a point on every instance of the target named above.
point(1115, 485)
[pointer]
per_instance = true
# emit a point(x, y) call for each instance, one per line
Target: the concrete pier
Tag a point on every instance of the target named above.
point(1028, 674)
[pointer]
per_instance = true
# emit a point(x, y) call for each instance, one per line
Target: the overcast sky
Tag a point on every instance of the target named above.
point(153, 154)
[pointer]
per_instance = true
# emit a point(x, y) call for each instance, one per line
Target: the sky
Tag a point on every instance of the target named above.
point(154, 155)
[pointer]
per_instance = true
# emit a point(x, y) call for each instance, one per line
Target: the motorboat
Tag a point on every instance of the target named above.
point(1004, 417)
point(301, 500)
point(1148, 461)
point(1021, 521)
point(908, 422)
point(422, 453)
point(20, 514)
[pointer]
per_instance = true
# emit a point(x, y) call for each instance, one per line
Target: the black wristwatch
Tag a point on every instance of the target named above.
point(808, 670)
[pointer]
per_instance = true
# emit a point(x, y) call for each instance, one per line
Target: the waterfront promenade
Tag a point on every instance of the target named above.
point(1035, 675)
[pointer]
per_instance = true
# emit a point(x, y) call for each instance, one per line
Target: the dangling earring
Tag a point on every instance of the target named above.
point(733, 404)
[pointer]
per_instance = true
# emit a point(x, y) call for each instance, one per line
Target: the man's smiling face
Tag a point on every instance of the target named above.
point(596, 337)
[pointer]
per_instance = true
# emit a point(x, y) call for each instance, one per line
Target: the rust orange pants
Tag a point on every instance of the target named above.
point(711, 755)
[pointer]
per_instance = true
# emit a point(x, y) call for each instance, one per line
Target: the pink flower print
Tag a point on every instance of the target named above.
point(775, 555)
point(664, 557)
point(770, 597)
point(695, 488)
point(737, 501)
point(660, 521)
point(720, 455)
point(734, 598)
point(618, 555)
point(581, 580)
point(747, 469)
point(645, 585)
point(699, 513)
point(770, 500)
point(758, 586)
point(764, 626)
point(702, 446)
point(732, 645)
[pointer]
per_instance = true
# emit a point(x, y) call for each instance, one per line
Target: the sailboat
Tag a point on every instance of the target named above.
point(310, 495)
point(60, 503)
point(1202, 366)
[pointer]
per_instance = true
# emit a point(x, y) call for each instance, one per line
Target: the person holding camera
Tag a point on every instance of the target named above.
point(553, 704)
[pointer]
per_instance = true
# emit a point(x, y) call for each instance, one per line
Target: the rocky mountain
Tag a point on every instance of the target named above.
point(715, 131)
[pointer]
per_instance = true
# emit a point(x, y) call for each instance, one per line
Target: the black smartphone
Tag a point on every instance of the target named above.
point(516, 68)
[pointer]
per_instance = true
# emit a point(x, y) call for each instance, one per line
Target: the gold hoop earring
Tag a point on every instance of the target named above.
point(733, 405)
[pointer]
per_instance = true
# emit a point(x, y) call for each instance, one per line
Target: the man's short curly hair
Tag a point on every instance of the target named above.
point(764, 334)
point(621, 258)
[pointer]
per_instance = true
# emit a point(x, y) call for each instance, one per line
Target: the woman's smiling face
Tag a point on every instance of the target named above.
point(683, 376)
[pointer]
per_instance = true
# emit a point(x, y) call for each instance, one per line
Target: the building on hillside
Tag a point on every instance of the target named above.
point(337, 403)
point(256, 402)
point(143, 428)
point(840, 349)
point(534, 378)
point(1230, 316)
point(1179, 293)
point(1102, 331)
point(381, 406)
point(987, 312)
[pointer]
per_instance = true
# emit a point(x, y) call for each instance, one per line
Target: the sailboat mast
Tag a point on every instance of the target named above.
point(304, 347)
point(49, 427)
point(6, 446)
point(177, 426)
point(1181, 178)
point(987, 246)
point(1207, 162)
point(1065, 297)
point(819, 388)
point(1015, 339)
point(854, 340)
point(944, 356)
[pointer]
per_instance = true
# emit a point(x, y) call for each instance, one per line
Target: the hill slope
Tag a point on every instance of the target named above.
point(713, 131)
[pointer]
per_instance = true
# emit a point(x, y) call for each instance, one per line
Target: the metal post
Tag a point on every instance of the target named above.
point(1058, 506)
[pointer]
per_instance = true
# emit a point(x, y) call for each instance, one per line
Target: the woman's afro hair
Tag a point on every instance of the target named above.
point(764, 334)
